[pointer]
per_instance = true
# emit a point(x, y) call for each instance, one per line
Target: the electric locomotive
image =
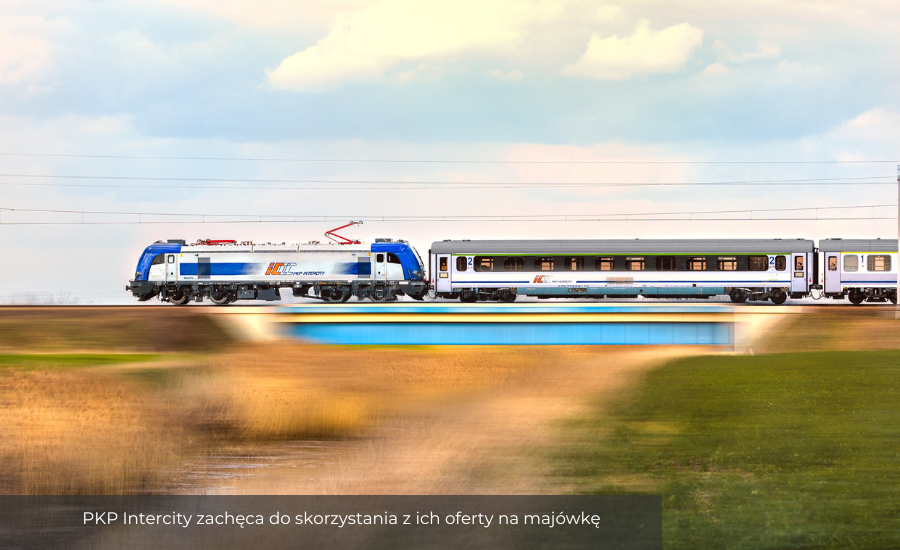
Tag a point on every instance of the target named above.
point(227, 271)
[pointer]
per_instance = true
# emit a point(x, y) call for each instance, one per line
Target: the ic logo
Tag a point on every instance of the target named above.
point(274, 269)
point(541, 279)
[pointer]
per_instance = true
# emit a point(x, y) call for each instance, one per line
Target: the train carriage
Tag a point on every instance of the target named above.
point(744, 269)
point(227, 271)
point(860, 269)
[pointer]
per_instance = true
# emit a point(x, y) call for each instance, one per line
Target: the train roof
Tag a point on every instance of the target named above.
point(625, 246)
point(858, 245)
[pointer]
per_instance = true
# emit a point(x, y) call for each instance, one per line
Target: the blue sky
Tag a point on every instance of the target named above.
point(398, 79)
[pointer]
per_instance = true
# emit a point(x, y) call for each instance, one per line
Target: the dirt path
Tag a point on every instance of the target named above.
point(488, 443)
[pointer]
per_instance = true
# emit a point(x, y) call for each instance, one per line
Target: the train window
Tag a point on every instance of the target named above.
point(171, 258)
point(604, 264)
point(878, 263)
point(484, 263)
point(392, 258)
point(574, 263)
point(851, 263)
point(380, 259)
point(758, 263)
point(697, 263)
point(832, 263)
point(665, 263)
point(514, 264)
point(543, 264)
point(780, 263)
point(726, 264)
point(634, 264)
point(461, 263)
point(798, 263)
point(160, 258)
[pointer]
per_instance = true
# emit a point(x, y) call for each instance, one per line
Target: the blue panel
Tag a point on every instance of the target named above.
point(516, 333)
point(143, 266)
point(404, 252)
point(224, 268)
point(488, 308)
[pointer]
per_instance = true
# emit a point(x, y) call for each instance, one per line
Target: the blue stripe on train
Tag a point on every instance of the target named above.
point(223, 268)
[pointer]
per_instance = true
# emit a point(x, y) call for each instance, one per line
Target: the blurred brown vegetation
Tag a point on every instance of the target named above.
point(75, 428)
point(107, 329)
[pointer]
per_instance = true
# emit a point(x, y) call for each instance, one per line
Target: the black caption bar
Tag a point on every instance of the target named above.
point(345, 522)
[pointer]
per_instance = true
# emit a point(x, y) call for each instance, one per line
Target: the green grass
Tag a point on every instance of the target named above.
point(71, 360)
point(770, 451)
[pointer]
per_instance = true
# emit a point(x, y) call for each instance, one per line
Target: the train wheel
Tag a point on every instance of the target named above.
point(778, 297)
point(179, 298)
point(219, 296)
point(468, 296)
point(856, 297)
point(893, 298)
point(738, 296)
point(333, 295)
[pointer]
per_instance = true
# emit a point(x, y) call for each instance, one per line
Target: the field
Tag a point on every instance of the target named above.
point(792, 446)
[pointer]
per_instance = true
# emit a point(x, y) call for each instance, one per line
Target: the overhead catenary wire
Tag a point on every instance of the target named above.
point(440, 161)
point(410, 184)
point(617, 217)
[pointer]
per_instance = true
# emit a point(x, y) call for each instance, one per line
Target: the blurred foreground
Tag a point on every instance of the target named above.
point(113, 401)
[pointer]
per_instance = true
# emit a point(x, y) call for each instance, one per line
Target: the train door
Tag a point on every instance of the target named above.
point(443, 273)
point(170, 268)
point(832, 272)
point(798, 275)
point(380, 266)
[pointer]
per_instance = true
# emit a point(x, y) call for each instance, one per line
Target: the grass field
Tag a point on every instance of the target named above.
point(769, 451)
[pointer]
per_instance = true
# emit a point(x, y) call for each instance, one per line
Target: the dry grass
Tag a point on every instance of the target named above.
point(126, 428)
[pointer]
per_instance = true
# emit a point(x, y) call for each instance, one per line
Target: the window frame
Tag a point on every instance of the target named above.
point(478, 264)
point(846, 265)
point(780, 262)
point(871, 260)
point(630, 261)
point(691, 261)
point(725, 260)
point(544, 260)
point(662, 260)
point(513, 263)
point(573, 261)
point(463, 265)
point(763, 262)
point(599, 261)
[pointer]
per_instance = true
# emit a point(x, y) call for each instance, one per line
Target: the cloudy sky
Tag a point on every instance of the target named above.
point(356, 109)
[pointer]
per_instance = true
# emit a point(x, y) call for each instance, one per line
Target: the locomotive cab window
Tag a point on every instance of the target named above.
point(780, 263)
point(392, 258)
point(634, 264)
point(484, 263)
point(665, 263)
point(604, 264)
point(514, 264)
point(574, 263)
point(758, 263)
point(160, 258)
point(380, 258)
point(171, 258)
point(851, 263)
point(726, 264)
point(832, 263)
point(460, 263)
point(543, 264)
point(697, 263)
point(878, 263)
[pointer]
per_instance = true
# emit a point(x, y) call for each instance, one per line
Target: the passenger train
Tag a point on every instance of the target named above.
point(501, 270)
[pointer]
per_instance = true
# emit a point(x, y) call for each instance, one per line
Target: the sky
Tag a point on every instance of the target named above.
point(228, 111)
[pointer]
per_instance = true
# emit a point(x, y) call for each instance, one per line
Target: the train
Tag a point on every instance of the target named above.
point(774, 270)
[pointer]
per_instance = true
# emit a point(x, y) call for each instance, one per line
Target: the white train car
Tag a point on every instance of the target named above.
point(744, 269)
point(227, 271)
point(860, 269)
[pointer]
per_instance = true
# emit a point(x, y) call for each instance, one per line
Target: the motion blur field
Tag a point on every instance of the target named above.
point(796, 430)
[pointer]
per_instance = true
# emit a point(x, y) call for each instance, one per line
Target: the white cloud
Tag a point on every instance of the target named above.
point(644, 52)
point(366, 44)
point(26, 64)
